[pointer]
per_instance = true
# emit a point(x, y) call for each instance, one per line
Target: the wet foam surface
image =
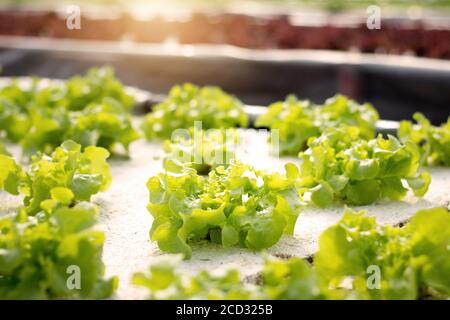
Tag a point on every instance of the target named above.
point(126, 221)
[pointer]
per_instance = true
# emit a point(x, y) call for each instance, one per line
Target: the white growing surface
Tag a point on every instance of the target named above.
point(126, 221)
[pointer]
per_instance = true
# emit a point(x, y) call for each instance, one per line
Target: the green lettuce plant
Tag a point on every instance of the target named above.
point(298, 121)
point(91, 110)
point(165, 282)
point(339, 165)
point(83, 173)
point(186, 104)
point(37, 258)
point(433, 141)
point(233, 205)
point(203, 150)
point(411, 261)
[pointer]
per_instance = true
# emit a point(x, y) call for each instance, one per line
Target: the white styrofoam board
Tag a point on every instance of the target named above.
point(126, 221)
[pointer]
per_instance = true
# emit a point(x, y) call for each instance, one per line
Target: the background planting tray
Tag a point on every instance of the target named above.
point(397, 85)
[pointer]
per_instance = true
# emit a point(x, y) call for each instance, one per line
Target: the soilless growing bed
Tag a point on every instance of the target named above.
point(125, 221)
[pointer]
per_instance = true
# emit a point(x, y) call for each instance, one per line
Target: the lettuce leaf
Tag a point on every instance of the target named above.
point(38, 258)
point(187, 104)
point(291, 279)
point(433, 141)
point(237, 205)
point(340, 166)
point(103, 124)
point(298, 121)
point(411, 260)
point(91, 110)
point(83, 174)
point(11, 175)
point(203, 150)
point(165, 282)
